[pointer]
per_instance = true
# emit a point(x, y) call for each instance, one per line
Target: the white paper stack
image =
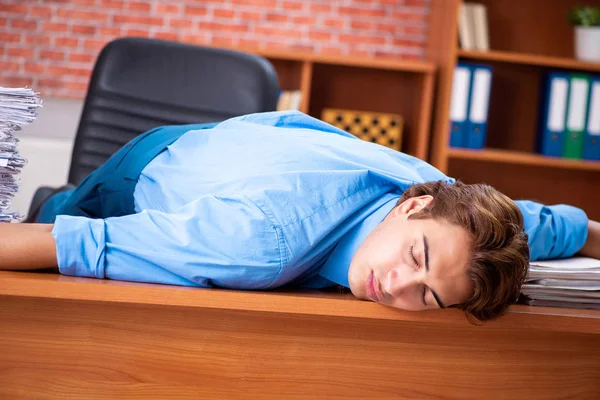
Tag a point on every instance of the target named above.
point(18, 107)
point(571, 282)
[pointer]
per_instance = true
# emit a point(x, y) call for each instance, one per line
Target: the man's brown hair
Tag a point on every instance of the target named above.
point(498, 254)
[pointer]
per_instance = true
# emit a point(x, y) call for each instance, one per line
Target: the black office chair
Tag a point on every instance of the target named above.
point(138, 84)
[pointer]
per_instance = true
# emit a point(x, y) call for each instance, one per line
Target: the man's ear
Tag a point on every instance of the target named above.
point(411, 205)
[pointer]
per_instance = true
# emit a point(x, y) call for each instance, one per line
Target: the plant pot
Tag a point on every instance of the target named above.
point(587, 43)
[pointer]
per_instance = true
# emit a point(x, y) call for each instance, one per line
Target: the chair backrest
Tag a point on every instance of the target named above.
point(138, 84)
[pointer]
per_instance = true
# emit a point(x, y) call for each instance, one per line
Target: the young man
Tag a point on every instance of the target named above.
point(282, 199)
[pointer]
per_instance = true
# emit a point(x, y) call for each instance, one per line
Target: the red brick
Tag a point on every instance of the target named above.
point(138, 6)
point(276, 17)
point(16, 81)
point(363, 12)
point(55, 27)
point(301, 20)
point(66, 42)
point(137, 33)
point(194, 38)
point(61, 71)
point(10, 66)
point(20, 9)
point(82, 15)
point(166, 36)
point(10, 37)
point(265, 4)
point(346, 38)
point(407, 43)
point(76, 86)
point(277, 32)
point(23, 24)
point(40, 11)
point(334, 23)
point(415, 3)
point(320, 36)
point(112, 32)
point(168, 9)
point(251, 16)
point(408, 16)
point(225, 41)
point(190, 10)
point(332, 51)
point(20, 52)
point(3, 22)
point(215, 27)
point(83, 29)
point(223, 13)
point(32, 68)
point(249, 43)
point(37, 40)
point(84, 2)
point(52, 55)
point(94, 44)
point(415, 30)
point(81, 57)
point(293, 5)
point(303, 48)
point(50, 83)
point(388, 28)
point(362, 25)
point(113, 4)
point(139, 20)
point(181, 23)
point(319, 8)
point(359, 53)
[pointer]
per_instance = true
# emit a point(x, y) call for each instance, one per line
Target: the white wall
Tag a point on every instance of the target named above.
point(47, 145)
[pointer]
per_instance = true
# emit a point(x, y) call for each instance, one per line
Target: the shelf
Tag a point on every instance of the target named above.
point(515, 157)
point(530, 59)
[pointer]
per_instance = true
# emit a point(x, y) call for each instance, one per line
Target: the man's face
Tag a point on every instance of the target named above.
point(412, 264)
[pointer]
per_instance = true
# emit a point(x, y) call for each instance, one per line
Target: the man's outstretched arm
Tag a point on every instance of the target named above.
point(592, 244)
point(27, 247)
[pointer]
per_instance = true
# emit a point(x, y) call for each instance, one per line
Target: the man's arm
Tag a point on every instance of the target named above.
point(592, 244)
point(557, 231)
point(27, 247)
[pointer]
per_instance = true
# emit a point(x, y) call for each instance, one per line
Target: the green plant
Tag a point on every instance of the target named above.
point(585, 16)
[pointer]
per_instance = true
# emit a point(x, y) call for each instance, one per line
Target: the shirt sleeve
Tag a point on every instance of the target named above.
point(212, 241)
point(557, 231)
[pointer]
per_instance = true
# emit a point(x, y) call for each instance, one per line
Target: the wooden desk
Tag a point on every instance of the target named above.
point(63, 337)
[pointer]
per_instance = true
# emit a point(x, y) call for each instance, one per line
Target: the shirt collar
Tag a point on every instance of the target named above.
point(336, 267)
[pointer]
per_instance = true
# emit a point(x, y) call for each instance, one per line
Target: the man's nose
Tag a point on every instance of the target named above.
point(401, 278)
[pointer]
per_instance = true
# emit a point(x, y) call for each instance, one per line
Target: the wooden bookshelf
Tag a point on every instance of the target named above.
point(530, 59)
point(522, 158)
point(527, 39)
point(403, 87)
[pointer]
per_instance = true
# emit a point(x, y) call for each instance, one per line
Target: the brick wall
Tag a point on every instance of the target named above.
point(51, 45)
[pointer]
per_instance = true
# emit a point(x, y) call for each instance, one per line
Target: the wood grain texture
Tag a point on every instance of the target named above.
point(57, 349)
point(530, 59)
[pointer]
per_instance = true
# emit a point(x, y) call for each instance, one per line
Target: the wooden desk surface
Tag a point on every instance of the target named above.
point(66, 337)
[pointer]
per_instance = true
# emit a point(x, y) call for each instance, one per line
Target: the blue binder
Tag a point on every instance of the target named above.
point(479, 104)
point(591, 145)
point(459, 104)
point(553, 115)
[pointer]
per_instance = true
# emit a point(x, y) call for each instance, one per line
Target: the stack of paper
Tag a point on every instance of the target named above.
point(18, 107)
point(572, 282)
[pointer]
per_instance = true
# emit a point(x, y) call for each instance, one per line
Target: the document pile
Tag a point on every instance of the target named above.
point(572, 282)
point(18, 107)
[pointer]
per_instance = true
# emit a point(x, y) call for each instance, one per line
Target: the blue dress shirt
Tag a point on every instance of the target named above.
point(262, 201)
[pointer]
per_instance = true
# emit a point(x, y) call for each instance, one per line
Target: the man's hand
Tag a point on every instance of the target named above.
point(27, 247)
point(592, 244)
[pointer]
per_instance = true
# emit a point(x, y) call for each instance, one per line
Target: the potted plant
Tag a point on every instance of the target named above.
point(587, 32)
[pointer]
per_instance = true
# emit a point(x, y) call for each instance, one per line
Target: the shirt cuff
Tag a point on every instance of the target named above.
point(80, 246)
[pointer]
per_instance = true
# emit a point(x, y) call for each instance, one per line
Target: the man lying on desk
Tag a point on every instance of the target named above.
point(267, 200)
